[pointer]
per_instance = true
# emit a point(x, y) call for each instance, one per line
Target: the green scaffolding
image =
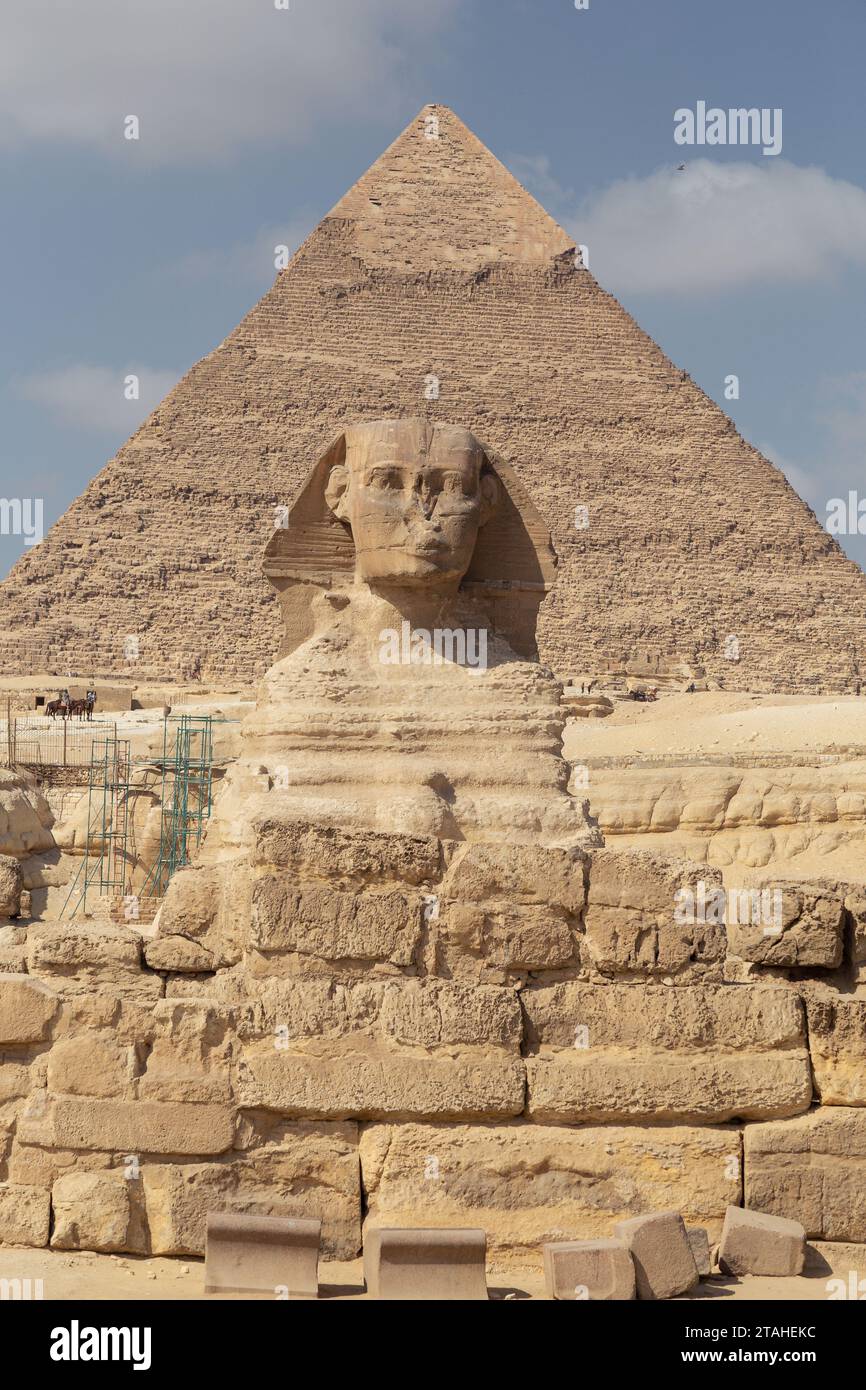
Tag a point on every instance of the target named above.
point(104, 868)
point(185, 799)
point(185, 796)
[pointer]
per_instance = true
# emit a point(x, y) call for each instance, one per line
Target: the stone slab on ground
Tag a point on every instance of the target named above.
point(274, 1255)
point(755, 1243)
point(591, 1270)
point(663, 1260)
point(436, 1265)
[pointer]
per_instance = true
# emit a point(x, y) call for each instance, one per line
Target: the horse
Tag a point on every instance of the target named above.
point(55, 707)
point(78, 707)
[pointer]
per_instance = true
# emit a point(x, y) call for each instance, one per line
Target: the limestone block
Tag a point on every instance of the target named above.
point(271, 1255)
point(837, 1043)
point(210, 905)
point(700, 1245)
point(25, 816)
point(698, 1053)
point(428, 1012)
point(27, 1008)
point(855, 907)
point(417, 1264)
point(518, 873)
point(89, 1066)
point(11, 886)
point(581, 1087)
point(25, 1215)
point(80, 957)
point(526, 1184)
point(138, 1127)
point(13, 950)
point(663, 1260)
point(432, 1013)
point(178, 953)
point(631, 916)
point(341, 855)
point(593, 1270)
point(368, 1080)
point(320, 921)
point(508, 937)
point(91, 1212)
point(37, 1164)
point(812, 923)
point(693, 1018)
point(298, 1169)
point(755, 1243)
point(811, 1169)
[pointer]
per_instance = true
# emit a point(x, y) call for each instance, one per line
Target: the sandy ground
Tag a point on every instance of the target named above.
point(717, 722)
point(83, 1275)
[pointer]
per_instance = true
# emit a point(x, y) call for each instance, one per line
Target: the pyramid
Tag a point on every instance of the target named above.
point(438, 264)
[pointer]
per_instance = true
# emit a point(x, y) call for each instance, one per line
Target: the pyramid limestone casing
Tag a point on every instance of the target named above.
point(438, 262)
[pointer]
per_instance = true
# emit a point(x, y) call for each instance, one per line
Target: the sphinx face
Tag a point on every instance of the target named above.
point(415, 496)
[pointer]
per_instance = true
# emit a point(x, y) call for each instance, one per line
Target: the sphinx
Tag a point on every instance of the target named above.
point(408, 695)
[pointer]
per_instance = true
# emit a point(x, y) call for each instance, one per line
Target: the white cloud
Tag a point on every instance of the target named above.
point(93, 398)
point(535, 173)
point(721, 225)
point(206, 78)
point(250, 262)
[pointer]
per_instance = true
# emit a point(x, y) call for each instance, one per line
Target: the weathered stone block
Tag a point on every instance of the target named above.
point(78, 958)
point(11, 886)
point(580, 1087)
point(518, 873)
point(298, 1169)
point(594, 1270)
point(663, 1260)
point(356, 857)
point(377, 1082)
point(320, 921)
point(631, 915)
point(91, 1212)
point(754, 1242)
point(509, 937)
point(89, 1066)
point(139, 1127)
point(811, 1169)
point(810, 930)
point(608, 1052)
point(525, 1184)
point(27, 1008)
point(178, 954)
point(837, 1043)
point(25, 1215)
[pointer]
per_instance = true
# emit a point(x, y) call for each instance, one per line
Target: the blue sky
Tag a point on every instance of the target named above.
point(123, 256)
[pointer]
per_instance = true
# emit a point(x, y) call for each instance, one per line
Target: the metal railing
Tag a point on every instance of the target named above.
point(44, 742)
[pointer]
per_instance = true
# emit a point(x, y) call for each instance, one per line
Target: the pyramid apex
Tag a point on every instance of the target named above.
point(439, 198)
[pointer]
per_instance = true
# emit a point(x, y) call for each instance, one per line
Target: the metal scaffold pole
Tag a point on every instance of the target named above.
point(186, 795)
point(104, 867)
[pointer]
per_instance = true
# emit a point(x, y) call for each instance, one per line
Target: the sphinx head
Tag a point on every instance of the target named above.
point(415, 496)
